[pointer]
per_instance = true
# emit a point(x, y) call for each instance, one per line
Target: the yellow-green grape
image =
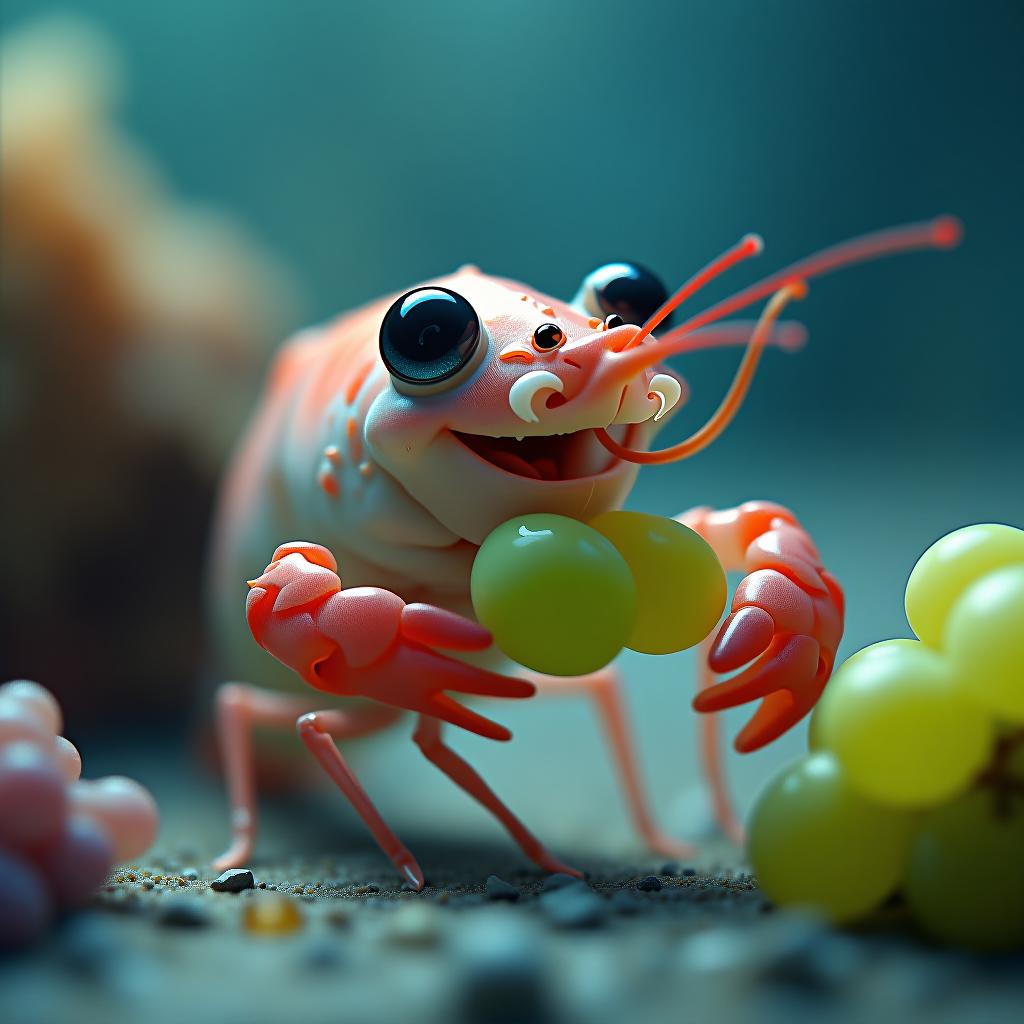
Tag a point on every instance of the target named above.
point(680, 584)
point(1015, 759)
point(965, 878)
point(895, 719)
point(814, 740)
point(984, 639)
point(557, 595)
point(816, 842)
point(951, 565)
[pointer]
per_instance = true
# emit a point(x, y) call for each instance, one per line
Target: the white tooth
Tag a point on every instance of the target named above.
point(519, 437)
point(524, 390)
point(667, 390)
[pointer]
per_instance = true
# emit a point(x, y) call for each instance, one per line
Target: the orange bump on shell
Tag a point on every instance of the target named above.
point(328, 483)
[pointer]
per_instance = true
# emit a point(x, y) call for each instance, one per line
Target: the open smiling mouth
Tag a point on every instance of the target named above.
point(549, 457)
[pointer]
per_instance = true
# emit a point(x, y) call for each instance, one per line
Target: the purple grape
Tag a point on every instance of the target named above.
point(25, 905)
point(78, 861)
point(33, 799)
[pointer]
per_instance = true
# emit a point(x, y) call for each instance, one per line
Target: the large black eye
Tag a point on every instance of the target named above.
point(625, 289)
point(428, 335)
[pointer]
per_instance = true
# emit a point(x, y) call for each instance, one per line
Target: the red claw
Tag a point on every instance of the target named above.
point(785, 626)
point(743, 636)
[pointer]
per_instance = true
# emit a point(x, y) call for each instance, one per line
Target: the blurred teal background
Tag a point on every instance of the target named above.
point(374, 145)
point(377, 144)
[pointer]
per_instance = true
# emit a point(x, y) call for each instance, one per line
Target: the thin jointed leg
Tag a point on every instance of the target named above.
point(428, 738)
point(240, 709)
point(711, 755)
point(315, 730)
point(604, 689)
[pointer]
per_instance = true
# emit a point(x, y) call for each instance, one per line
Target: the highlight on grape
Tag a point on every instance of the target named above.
point(914, 783)
point(59, 833)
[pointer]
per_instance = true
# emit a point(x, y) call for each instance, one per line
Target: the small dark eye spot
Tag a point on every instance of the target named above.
point(548, 337)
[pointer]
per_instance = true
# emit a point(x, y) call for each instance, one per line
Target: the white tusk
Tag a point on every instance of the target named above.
point(667, 390)
point(522, 393)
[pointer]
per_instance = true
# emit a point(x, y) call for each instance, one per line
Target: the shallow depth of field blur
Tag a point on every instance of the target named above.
point(185, 184)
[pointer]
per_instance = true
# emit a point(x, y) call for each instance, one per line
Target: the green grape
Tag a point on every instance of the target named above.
point(1015, 759)
point(985, 641)
point(814, 740)
point(896, 721)
point(557, 595)
point(965, 879)
point(680, 584)
point(949, 566)
point(815, 842)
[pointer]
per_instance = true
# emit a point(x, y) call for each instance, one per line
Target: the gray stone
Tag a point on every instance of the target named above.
point(233, 880)
point(573, 906)
point(183, 912)
point(652, 883)
point(321, 954)
point(560, 881)
point(498, 889)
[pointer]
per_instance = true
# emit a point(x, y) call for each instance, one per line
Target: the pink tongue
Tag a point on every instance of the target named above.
point(547, 468)
point(513, 463)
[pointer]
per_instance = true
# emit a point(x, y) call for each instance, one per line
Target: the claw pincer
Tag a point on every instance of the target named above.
point(785, 624)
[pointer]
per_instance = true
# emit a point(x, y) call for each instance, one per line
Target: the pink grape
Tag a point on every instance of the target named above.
point(19, 723)
point(121, 806)
point(25, 902)
point(68, 759)
point(32, 796)
point(78, 861)
point(37, 700)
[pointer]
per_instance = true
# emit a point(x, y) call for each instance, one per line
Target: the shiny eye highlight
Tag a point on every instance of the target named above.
point(428, 335)
point(548, 337)
point(627, 290)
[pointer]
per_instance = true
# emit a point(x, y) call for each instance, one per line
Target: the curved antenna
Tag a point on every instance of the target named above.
point(747, 246)
point(788, 335)
point(941, 233)
point(726, 411)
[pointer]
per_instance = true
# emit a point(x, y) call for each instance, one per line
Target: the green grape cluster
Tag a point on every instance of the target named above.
point(915, 778)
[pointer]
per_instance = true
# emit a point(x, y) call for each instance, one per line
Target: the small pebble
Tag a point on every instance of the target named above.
point(191, 874)
point(321, 954)
point(689, 872)
point(183, 912)
point(652, 883)
point(366, 890)
point(235, 880)
point(498, 889)
point(560, 881)
point(806, 954)
point(148, 884)
point(573, 906)
point(338, 918)
point(502, 978)
point(623, 902)
point(670, 868)
point(414, 924)
point(272, 915)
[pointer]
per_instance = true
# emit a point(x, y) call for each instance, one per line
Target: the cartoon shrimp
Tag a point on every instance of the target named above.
point(400, 435)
